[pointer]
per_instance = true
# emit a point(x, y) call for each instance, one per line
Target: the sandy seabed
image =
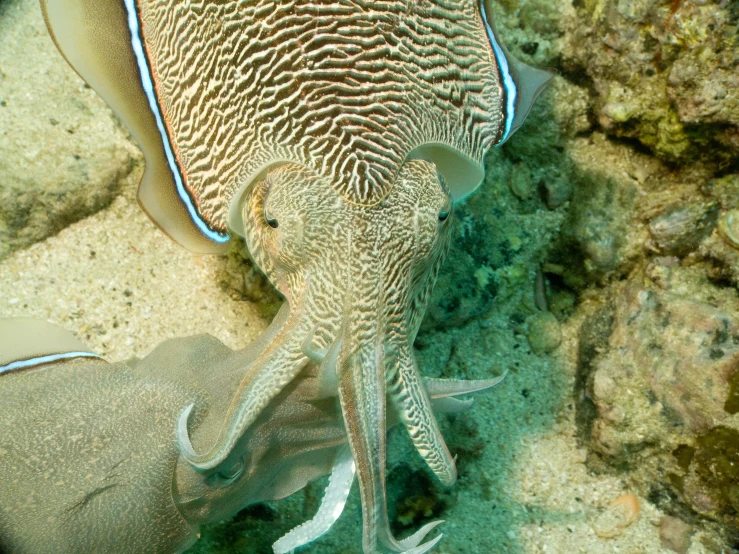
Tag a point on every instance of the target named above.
point(122, 286)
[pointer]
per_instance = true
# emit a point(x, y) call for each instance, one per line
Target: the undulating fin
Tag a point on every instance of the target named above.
point(521, 83)
point(446, 388)
point(101, 39)
point(29, 342)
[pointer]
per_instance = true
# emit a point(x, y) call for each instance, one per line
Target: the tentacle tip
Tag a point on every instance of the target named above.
point(185, 445)
point(429, 545)
point(183, 436)
point(449, 480)
point(410, 545)
point(309, 350)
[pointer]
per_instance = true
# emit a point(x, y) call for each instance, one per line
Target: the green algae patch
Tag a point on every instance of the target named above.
point(684, 456)
point(243, 280)
point(716, 463)
point(731, 405)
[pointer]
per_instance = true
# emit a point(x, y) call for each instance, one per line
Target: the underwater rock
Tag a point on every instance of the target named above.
point(703, 81)
point(711, 485)
point(520, 182)
point(63, 155)
point(556, 192)
point(720, 250)
point(675, 534)
point(599, 238)
point(666, 369)
point(680, 229)
point(663, 73)
point(545, 333)
point(663, 386)
point(620, 514)
point(628, 205)
point(724, 190)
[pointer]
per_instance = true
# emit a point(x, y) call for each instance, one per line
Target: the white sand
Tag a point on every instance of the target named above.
point(122, 286)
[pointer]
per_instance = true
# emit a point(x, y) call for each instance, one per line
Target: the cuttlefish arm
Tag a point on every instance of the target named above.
point(332, 505)
point(277, 364)
point(442, 394)
point(363, 405)
point(413, 404)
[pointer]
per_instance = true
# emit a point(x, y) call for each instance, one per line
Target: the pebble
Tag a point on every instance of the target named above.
point(675, 534)
point(621, 513)
point(728, 228)
point(520, 182)
point(545, 333)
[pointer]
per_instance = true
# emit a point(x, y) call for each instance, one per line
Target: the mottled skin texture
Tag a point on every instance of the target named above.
point(88, 453)
point(332, 134)
point(347, 89)
point(357, 280)
point(70, 441)
point(89, 460)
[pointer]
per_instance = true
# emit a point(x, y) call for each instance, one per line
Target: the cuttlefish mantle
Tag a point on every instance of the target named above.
point(350, 90)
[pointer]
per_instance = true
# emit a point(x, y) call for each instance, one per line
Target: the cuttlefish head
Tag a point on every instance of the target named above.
point(357, 279)
point(335, 259)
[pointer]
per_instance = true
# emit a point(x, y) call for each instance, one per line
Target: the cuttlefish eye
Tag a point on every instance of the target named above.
point(227, 476)
point(270, 221)
point(444, 213)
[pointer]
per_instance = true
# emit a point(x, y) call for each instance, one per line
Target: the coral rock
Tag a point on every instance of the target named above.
point(545, 333)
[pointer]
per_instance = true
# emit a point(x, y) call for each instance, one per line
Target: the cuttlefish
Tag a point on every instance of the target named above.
point(88, 452)
point(335, 136)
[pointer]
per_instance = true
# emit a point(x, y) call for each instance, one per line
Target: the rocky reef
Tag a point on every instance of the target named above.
point(598, 265)
point(609, 224)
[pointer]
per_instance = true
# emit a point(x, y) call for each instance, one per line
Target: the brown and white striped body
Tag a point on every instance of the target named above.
point(334, 135)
